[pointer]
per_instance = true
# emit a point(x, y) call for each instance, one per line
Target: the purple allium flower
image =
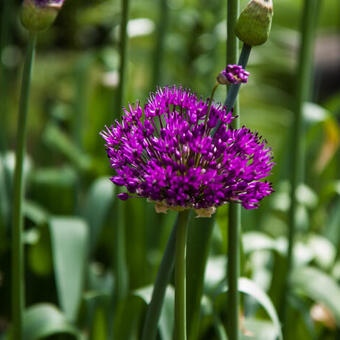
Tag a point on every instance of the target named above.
point(233, 74)
point(164, 152)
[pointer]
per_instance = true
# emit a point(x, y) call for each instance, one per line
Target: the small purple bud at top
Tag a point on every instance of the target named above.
point(233, 74)
point(38, 15)
point(123, 196)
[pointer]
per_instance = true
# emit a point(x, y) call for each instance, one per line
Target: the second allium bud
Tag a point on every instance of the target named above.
point(255, 21)
point(38, 15)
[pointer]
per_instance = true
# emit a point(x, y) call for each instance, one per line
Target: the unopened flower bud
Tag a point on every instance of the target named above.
point(38, 15)
point(233, 74)
point(255, 21)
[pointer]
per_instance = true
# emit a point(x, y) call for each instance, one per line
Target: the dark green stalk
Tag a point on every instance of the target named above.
point(303, 90)
point(234, 89)
point(162, 280)
point(159, 50)
point(123, 55)
point(234, 220)
point(18, 280)
point(180, 276)
point(199, 241)
point(5, 25)
point(4, 87)
point(120, 267)
point(121, 275)
point(210, 102)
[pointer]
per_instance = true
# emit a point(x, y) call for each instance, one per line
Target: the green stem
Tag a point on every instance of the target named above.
point(18, 280)
point(162, 280)
point(303, 91)
point(5, 28)
point(180, 276)
point(4, 89)
point(233, 269)
point(123, 55)
point(159, 50)
point(121, 276)
point(209, 105)
point(234, 89)
point(198, 246)
point(234, 218)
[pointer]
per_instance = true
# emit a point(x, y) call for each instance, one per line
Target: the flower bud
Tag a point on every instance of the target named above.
point(255, 21)
point(233, 74)
point(38, 15)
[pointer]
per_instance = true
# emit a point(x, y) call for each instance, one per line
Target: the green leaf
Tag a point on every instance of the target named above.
point(43, 320)
point(98, 202)
point(69, 238)
point(251, 288)
point(55, 138)
point(255, 240)
point(258, 330)
point(199, 240)
point(319, 287)
point(166, 319)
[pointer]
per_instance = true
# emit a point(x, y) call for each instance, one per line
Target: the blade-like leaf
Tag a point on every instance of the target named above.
point(251, 288)
point(318, 286)
point(69, 238)
point(43, 320)
point(98, 202)
point(166, 319)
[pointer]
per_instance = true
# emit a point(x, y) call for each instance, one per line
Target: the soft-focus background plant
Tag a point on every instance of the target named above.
point(70, 212)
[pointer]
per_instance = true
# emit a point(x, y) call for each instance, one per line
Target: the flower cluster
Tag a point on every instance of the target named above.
point(165, 153)
point(233, 74)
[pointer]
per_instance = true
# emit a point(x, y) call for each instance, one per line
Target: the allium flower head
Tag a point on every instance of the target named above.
point(233, 74)
point(38, 15)
point(164, 152)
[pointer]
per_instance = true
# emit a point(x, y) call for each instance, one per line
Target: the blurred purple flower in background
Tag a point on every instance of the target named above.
point(165, 153)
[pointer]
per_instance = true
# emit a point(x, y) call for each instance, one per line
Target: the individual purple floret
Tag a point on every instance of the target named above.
point(233, 74)
point(164, 152)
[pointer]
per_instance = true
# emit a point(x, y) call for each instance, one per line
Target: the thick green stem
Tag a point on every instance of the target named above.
point(123, 55)
point(180, 276)
point(18, 280)
point(234, 89)
point(162, 280)
point(159, 48)
point(302, 95)
point(233, 270)
point(209, 105)
point(121, 275)
point(234, 220)
point(5, 28)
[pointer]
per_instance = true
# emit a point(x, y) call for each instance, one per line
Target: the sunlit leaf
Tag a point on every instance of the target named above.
point(98, 202)
point(43, 320)
point(319, 287)
point(69, 238)
point(166, 318)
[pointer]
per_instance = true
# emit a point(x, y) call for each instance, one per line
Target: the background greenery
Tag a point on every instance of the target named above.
point(70, 212)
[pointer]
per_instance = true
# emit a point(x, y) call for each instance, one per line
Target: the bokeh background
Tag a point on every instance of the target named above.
point(67, 187)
